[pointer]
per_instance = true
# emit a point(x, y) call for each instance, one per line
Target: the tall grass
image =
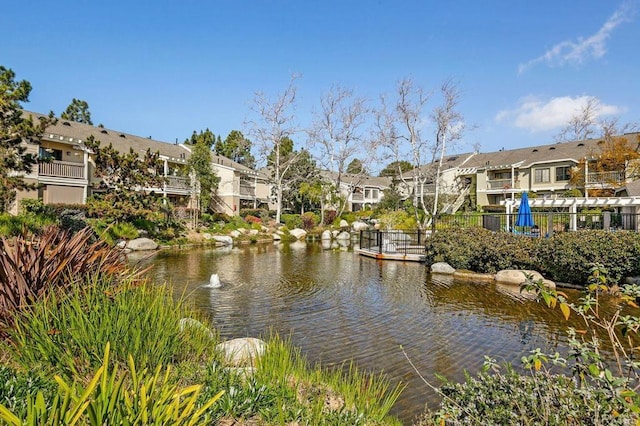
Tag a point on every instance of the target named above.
point(67, 333)
point(284, 389)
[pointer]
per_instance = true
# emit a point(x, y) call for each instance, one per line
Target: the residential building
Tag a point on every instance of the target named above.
point(545, 171)
point(69, 176)
point(362, 191)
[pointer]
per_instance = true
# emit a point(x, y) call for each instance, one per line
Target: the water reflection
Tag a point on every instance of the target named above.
point(337, 306)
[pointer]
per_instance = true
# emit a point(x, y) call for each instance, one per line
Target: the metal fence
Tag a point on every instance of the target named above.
point(545, 223)
point(400, 242)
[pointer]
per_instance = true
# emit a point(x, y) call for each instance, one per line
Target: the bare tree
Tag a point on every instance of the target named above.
point(583, 124)
point(338, 135)
point(272, 129)
point(399, 128)
point(449, 127)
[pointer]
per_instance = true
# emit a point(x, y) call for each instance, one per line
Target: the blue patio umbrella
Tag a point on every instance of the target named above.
point(524, 217)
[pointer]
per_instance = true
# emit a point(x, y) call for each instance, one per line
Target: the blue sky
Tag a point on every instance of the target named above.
point(165, 68)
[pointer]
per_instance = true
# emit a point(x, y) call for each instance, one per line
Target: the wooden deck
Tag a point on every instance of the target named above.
point(392, 256)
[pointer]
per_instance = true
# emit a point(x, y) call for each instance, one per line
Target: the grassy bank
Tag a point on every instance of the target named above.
point(105, 346)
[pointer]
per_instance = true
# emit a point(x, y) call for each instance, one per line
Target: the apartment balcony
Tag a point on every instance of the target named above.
point(62, 169)
point(605, 178)
point(502, 184)
point(360, 198)
point(178, 183)
point(247, 190)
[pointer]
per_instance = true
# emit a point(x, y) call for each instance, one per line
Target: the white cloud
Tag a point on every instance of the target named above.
point(576, 52)
point(537, 115)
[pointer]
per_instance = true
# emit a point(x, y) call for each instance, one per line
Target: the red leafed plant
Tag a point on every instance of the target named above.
point(31, 266)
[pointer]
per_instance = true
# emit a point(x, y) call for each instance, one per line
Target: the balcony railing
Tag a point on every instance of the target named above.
point(502, 184)
point(62, 169)
point(247, 190)
point(605, 177)
point(179, 183)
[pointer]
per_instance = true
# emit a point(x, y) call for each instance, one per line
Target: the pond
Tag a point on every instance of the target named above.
point(338, 306)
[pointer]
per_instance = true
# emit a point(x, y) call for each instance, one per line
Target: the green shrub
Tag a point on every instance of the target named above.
point(568, 256)
point(512, 398)
point(565, 257)
point(35, 206)
point(292, 221)
point(13, 226)
point(399, 219)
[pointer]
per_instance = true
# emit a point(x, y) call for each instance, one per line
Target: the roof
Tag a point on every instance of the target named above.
point(632, 189)
point(75, 133)
point(526, 157)
point(358, 179)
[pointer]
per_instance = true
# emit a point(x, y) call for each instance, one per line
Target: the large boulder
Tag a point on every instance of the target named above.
point(517, 277)
point(359, 226)
point(326, 235)
point(242, 352)
point(140, 244)
point(344, 236)
point(344, 223)
point(442, 268)
point(298, 233)
point(224, 239)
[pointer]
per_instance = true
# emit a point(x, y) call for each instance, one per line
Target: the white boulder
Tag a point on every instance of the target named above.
point(359, 226)
point(235, 233)
point(243, 351)
point(344, 236)
point(224, 239)
point(326, 235)
point(298, 233)
point(142, 244)
point(518, 277)
point(344, 223)
point(442, 268)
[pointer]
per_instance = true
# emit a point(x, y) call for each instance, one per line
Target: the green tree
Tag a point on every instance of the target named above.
point(302, 171)
point(17, 130)
point(207, 137)
point(122, 177)
point(356, 167)
point(200, 164)
point(237, 148)
point(78, 110)
point(396, 168)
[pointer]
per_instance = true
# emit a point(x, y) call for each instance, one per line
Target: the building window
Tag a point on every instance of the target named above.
point(563, 174)
point(50, 154)
point(542, 175)
point(501, 175)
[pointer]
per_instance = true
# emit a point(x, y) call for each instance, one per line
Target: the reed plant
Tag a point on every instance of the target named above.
point(66, 333)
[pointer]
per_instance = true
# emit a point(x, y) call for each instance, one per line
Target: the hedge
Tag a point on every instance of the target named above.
point(564, 257)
